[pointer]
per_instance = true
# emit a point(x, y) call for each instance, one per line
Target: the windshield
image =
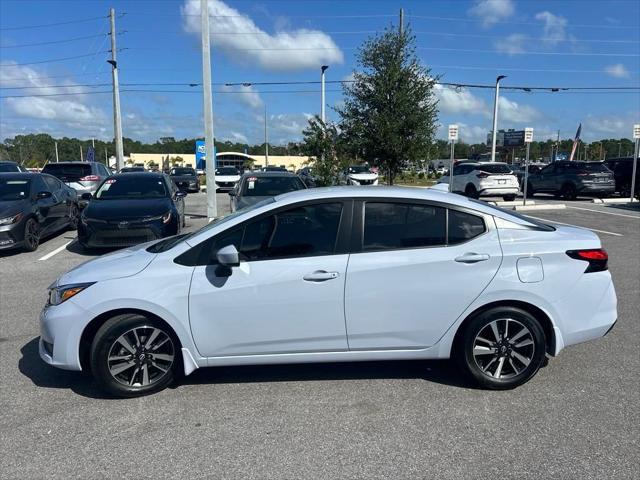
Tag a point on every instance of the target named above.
point(132, 187)
point(8, 167)
point(227, 171)
point(14, 189)
point(270, 186)
point(171, 242)
point(67, 171)
point(182, 171)
point(495, 168)
point(359, 169)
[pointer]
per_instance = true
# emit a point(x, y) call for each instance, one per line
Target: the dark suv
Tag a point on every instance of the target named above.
point(83, 177)
point(622, 169)
point(570, 179)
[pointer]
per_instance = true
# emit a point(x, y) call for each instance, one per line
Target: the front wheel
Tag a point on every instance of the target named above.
point(31, 235)
point(568, 192)
point(471, 192)
point(509, 198)
point(502, 348)
point(132, 355)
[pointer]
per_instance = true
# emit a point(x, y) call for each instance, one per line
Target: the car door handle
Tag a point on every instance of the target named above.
point(320, 276)
point(472, 258)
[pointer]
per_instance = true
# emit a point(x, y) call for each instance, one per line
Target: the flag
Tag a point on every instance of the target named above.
point(91, 155)
point(575, 143)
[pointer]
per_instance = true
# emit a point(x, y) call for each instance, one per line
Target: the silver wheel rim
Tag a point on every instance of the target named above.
point(503, 348)
point(141, 357)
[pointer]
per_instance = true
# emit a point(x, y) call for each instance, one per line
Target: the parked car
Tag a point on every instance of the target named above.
point(519, 171)
point(484, 179)
point(359, 175)
point(569, 179)
point(257, 186)
point(622, 169)
point(83, 177)
point(131, 208)
point(33, 206)
point(7, 166)
point(185, 178)
point(271, 285)
point(306, 175)
point(273, 168)
point(132, 169)
point(226, 178)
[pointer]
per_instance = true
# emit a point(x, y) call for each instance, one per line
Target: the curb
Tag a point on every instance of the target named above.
point(526, 208)
point(515, 203)
point(611, 200)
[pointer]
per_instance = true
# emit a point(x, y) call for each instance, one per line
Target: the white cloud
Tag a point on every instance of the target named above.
point(553, 29)
point(70, 109)
point(617, 70)
point(237, 35)
point(511, 111)
point(238, 137)
point(492, 11)
point(245, 94)
point(614, 125)
point(512, 45)
point(459, 101)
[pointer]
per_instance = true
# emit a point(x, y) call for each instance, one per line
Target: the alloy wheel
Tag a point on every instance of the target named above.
point(31, 234)
point(141, 356)
point(503, 349)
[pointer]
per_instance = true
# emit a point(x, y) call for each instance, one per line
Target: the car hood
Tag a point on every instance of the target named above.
point(11, 207)
point(363, 176)
point(119, 264)
point(248, 201)
point(127, 209)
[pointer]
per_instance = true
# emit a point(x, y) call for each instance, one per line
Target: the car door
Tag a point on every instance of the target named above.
point(287, 295)
point(56, 204)
point(413, 276)
point(543, 181)
point(178, 200)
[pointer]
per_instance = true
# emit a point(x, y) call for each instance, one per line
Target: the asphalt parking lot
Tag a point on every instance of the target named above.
point(578, 418)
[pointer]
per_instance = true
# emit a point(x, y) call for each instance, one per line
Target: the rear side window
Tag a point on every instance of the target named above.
point(593, 167)
point(398, 225)
point(464, 226)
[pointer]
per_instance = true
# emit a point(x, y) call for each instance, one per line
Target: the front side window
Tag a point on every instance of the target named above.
point(399, 225)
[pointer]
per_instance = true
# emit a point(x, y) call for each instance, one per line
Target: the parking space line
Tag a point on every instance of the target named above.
point(55, 252)
point(606, 213)
point(578, 226)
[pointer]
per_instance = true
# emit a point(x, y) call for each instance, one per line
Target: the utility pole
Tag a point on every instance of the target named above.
point(636, 154)
point(93, 143)
point(266, 139)
point(212, 207)
point(495, 118)
point(401, 29)
point(81, 158)
point(56, 144)
point(117, 120)
point(322, 70)
point(106, 159)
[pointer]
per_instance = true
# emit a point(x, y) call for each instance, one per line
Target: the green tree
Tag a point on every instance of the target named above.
point(322, 143)
point(390, 113)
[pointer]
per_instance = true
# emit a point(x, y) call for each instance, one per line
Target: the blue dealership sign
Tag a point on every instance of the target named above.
point(201, 155)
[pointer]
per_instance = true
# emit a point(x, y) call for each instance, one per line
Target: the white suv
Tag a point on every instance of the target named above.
point(484, 179)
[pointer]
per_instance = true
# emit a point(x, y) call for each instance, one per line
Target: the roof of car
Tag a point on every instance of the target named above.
point(70, 163)
point(19, 175)
point(270, 173)
point(8, 161)
point(137, 174)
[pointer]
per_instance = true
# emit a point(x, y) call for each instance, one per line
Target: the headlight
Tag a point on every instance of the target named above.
point(58, 295)
point(165, 218)
point(11, 220)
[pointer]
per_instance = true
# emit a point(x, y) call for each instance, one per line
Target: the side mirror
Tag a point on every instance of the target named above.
point(86, 196)
point(232, 193)
point(43, 194)
point(181, 194)
point(228, 256)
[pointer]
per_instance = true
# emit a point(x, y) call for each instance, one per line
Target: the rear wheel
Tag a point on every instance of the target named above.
point(568, 191)
point(132, 355)
point(31, 235)
point(502, 348)
point(530, 191)
point(470, 191)
point(73, 217)
point(509, 198)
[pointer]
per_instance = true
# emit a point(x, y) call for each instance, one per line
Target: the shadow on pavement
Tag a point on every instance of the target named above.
point(75, 247)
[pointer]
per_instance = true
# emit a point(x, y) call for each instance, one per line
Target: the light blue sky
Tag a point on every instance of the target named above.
point(536, 43)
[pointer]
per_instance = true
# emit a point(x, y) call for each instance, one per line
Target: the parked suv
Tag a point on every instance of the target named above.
point(83, 177)
point(570, 179)
point(484, 179)
point(622, 169)
point(11, 167)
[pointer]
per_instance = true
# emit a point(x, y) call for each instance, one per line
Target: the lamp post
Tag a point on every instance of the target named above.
point(322, 70)
point(495, 118)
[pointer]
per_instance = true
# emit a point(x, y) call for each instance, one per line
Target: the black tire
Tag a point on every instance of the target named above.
point(530, 191)
point(130, 381)
point(471, 192)
point(483, 366)
point(569, 192)
point(74, 215)
point(31, 235)
point(509, 198)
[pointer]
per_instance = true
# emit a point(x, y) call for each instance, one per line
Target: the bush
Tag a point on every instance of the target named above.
point(421, 175)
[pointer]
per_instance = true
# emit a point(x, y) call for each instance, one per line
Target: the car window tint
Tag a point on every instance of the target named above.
point(271, 186)
point(309, 230)
point(52, 183)
point(464, 226)
point(398, 225)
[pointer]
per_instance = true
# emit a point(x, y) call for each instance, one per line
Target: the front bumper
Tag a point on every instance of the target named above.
point(225, 186)
point(12, 236)
point(113, 235)
point(60, 331)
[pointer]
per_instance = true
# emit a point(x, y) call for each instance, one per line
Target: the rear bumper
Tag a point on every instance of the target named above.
point(597, 188)
point(491, 191)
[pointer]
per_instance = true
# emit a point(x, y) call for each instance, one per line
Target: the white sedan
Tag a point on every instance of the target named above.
point(335, 274)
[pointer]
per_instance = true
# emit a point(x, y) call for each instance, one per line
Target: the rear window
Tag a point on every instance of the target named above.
point(533, 222)
point(495, 168)
point(270, 186)
point(592, 167)
point(67, 170)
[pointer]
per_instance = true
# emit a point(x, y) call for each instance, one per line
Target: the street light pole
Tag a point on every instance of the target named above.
point(495, 118)
point(212, 207)
point(266, 139)
point(322, 70)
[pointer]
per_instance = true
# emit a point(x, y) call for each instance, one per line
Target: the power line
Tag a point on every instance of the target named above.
point(501, 69)
point(82, 20)
point(52, 60)
point(382, 15)
point(513, 22)
point(53, 42)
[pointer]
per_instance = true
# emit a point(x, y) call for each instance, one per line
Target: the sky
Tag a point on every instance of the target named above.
point(59, 48)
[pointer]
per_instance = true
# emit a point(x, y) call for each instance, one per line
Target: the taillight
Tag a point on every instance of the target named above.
point(90, 178)
point(582, 173)
point(482, 175)
point(598, 258)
